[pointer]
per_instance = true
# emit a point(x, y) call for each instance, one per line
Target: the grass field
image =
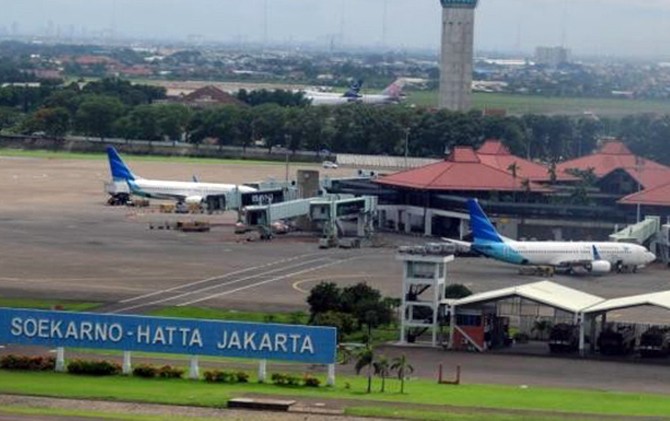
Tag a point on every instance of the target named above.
point(187, 392)
point(217, 314)
point(46, 304)
point(526, 104)
point(20, 153)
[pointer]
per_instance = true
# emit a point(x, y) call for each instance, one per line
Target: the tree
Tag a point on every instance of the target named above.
point(403, 368)
point(343, 322)
point(53, 121)
point(172, 120)
point(513, 168)
point(456, 291)
point(365, 358)
point(382, 368)
point(96, 115)
point(323, 298)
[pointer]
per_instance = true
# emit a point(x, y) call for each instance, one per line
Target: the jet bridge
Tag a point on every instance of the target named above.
point(326, 211)
point(638, 233)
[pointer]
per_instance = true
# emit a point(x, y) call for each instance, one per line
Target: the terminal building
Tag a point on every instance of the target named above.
point(526, 199)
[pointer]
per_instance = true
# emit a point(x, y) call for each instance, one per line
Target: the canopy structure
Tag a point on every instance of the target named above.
point(543, 292)
point(656, 299)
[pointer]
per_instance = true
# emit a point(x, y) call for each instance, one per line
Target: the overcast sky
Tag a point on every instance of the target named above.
point(602, 27)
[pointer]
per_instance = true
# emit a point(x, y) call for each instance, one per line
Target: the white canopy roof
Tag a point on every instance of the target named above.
point(658, 299)
point(544, 292)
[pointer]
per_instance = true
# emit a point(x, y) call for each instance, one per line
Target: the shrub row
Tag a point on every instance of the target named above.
point(93, 368)
point(164, 372)
point(22, 362)
point(281, 379)
point(107, 368)
point(217, 376)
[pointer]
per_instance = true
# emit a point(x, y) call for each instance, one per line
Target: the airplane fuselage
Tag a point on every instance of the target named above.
point(161, 189)
point(564, 253)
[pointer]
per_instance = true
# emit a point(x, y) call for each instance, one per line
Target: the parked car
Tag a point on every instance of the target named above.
point(329, 165)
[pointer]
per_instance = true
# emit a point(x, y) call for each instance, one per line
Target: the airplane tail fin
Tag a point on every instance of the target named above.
point(120, 171)
point(354, 89)
point(596, 254)
point(482, 228)
point(395, 89)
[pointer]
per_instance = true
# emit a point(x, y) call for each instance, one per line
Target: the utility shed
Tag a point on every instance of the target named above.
point(474, 321)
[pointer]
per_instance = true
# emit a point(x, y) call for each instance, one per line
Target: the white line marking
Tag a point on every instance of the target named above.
point(213, 278)
point(232, 291)
point(197, 291)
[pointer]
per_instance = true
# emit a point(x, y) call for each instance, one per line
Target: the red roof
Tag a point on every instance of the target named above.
point(495, 154)
point(656, 196)
point(614, 155)
point(462, 170)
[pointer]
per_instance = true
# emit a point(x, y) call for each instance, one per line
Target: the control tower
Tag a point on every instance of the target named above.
point(458, 24)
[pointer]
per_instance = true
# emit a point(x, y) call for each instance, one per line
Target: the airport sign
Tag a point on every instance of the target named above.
point(309, 344)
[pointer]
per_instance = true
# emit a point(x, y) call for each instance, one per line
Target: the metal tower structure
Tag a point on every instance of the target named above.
point(458, 24)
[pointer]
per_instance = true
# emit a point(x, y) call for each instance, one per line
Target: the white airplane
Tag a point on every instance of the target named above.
point(391, 95)
point(182, 191)
point(592, 257)
point(330, 98)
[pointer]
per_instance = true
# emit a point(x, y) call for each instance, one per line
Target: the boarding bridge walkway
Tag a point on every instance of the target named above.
point(638, 233)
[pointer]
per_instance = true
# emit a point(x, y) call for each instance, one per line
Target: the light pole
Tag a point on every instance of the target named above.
point(407, 130)
point(287, 143)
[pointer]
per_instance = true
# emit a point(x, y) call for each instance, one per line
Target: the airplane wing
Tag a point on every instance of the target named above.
point(461, 246)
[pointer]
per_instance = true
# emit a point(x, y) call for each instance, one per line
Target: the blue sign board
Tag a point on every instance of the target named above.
point(177, 336)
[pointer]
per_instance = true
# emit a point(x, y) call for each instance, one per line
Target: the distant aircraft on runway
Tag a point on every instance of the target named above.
point(591, 257)
point(181, 191)
point(330, 98)
point(391, 95)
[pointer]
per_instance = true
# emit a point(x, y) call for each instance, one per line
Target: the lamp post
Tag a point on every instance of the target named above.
point(407, 130)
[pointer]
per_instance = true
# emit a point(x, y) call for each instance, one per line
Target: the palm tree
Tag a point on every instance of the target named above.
point(513, 168)
point(365, 358)
point(402, 366)
point(382, 369)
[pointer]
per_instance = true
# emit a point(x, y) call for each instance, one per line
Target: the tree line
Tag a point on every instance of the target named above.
point(117, 108)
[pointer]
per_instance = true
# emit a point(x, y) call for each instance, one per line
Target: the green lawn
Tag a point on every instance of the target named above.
point(524, 104)
point(150, 158)
point(186, 392)
point(242, 316)
point(417, 414)
point(51, 412)
point(46, 304)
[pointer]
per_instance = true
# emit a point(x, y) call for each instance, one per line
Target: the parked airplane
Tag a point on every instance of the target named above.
point(592, 257)
point(184, 192)
point(330, 98)
point(391, 95)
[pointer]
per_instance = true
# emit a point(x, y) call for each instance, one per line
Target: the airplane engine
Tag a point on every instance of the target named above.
point(193, 200)
point(599, 266)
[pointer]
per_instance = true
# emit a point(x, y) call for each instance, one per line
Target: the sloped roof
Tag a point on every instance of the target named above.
point(655, 196)
point(543, 292)
point(462, 170)
point(211, 95)
point(614, 155)
point(495, 154)
point(657, 299)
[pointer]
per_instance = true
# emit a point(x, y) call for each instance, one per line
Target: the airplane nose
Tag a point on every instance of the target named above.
point(651, 257)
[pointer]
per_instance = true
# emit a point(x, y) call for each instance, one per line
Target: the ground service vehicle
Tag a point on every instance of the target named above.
point(564, 338)
point(617, 341)
point(655, 342)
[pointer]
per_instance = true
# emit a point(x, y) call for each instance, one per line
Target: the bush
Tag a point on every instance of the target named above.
point(521, 338)
point(311, 381)
point(22, 362)
point(242, 377)
point(217, 376)
point(146, 371)
point(169, 372)
point(281, 379)
point(93, 368)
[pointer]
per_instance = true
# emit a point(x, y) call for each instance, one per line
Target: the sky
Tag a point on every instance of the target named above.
point(587, 27)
